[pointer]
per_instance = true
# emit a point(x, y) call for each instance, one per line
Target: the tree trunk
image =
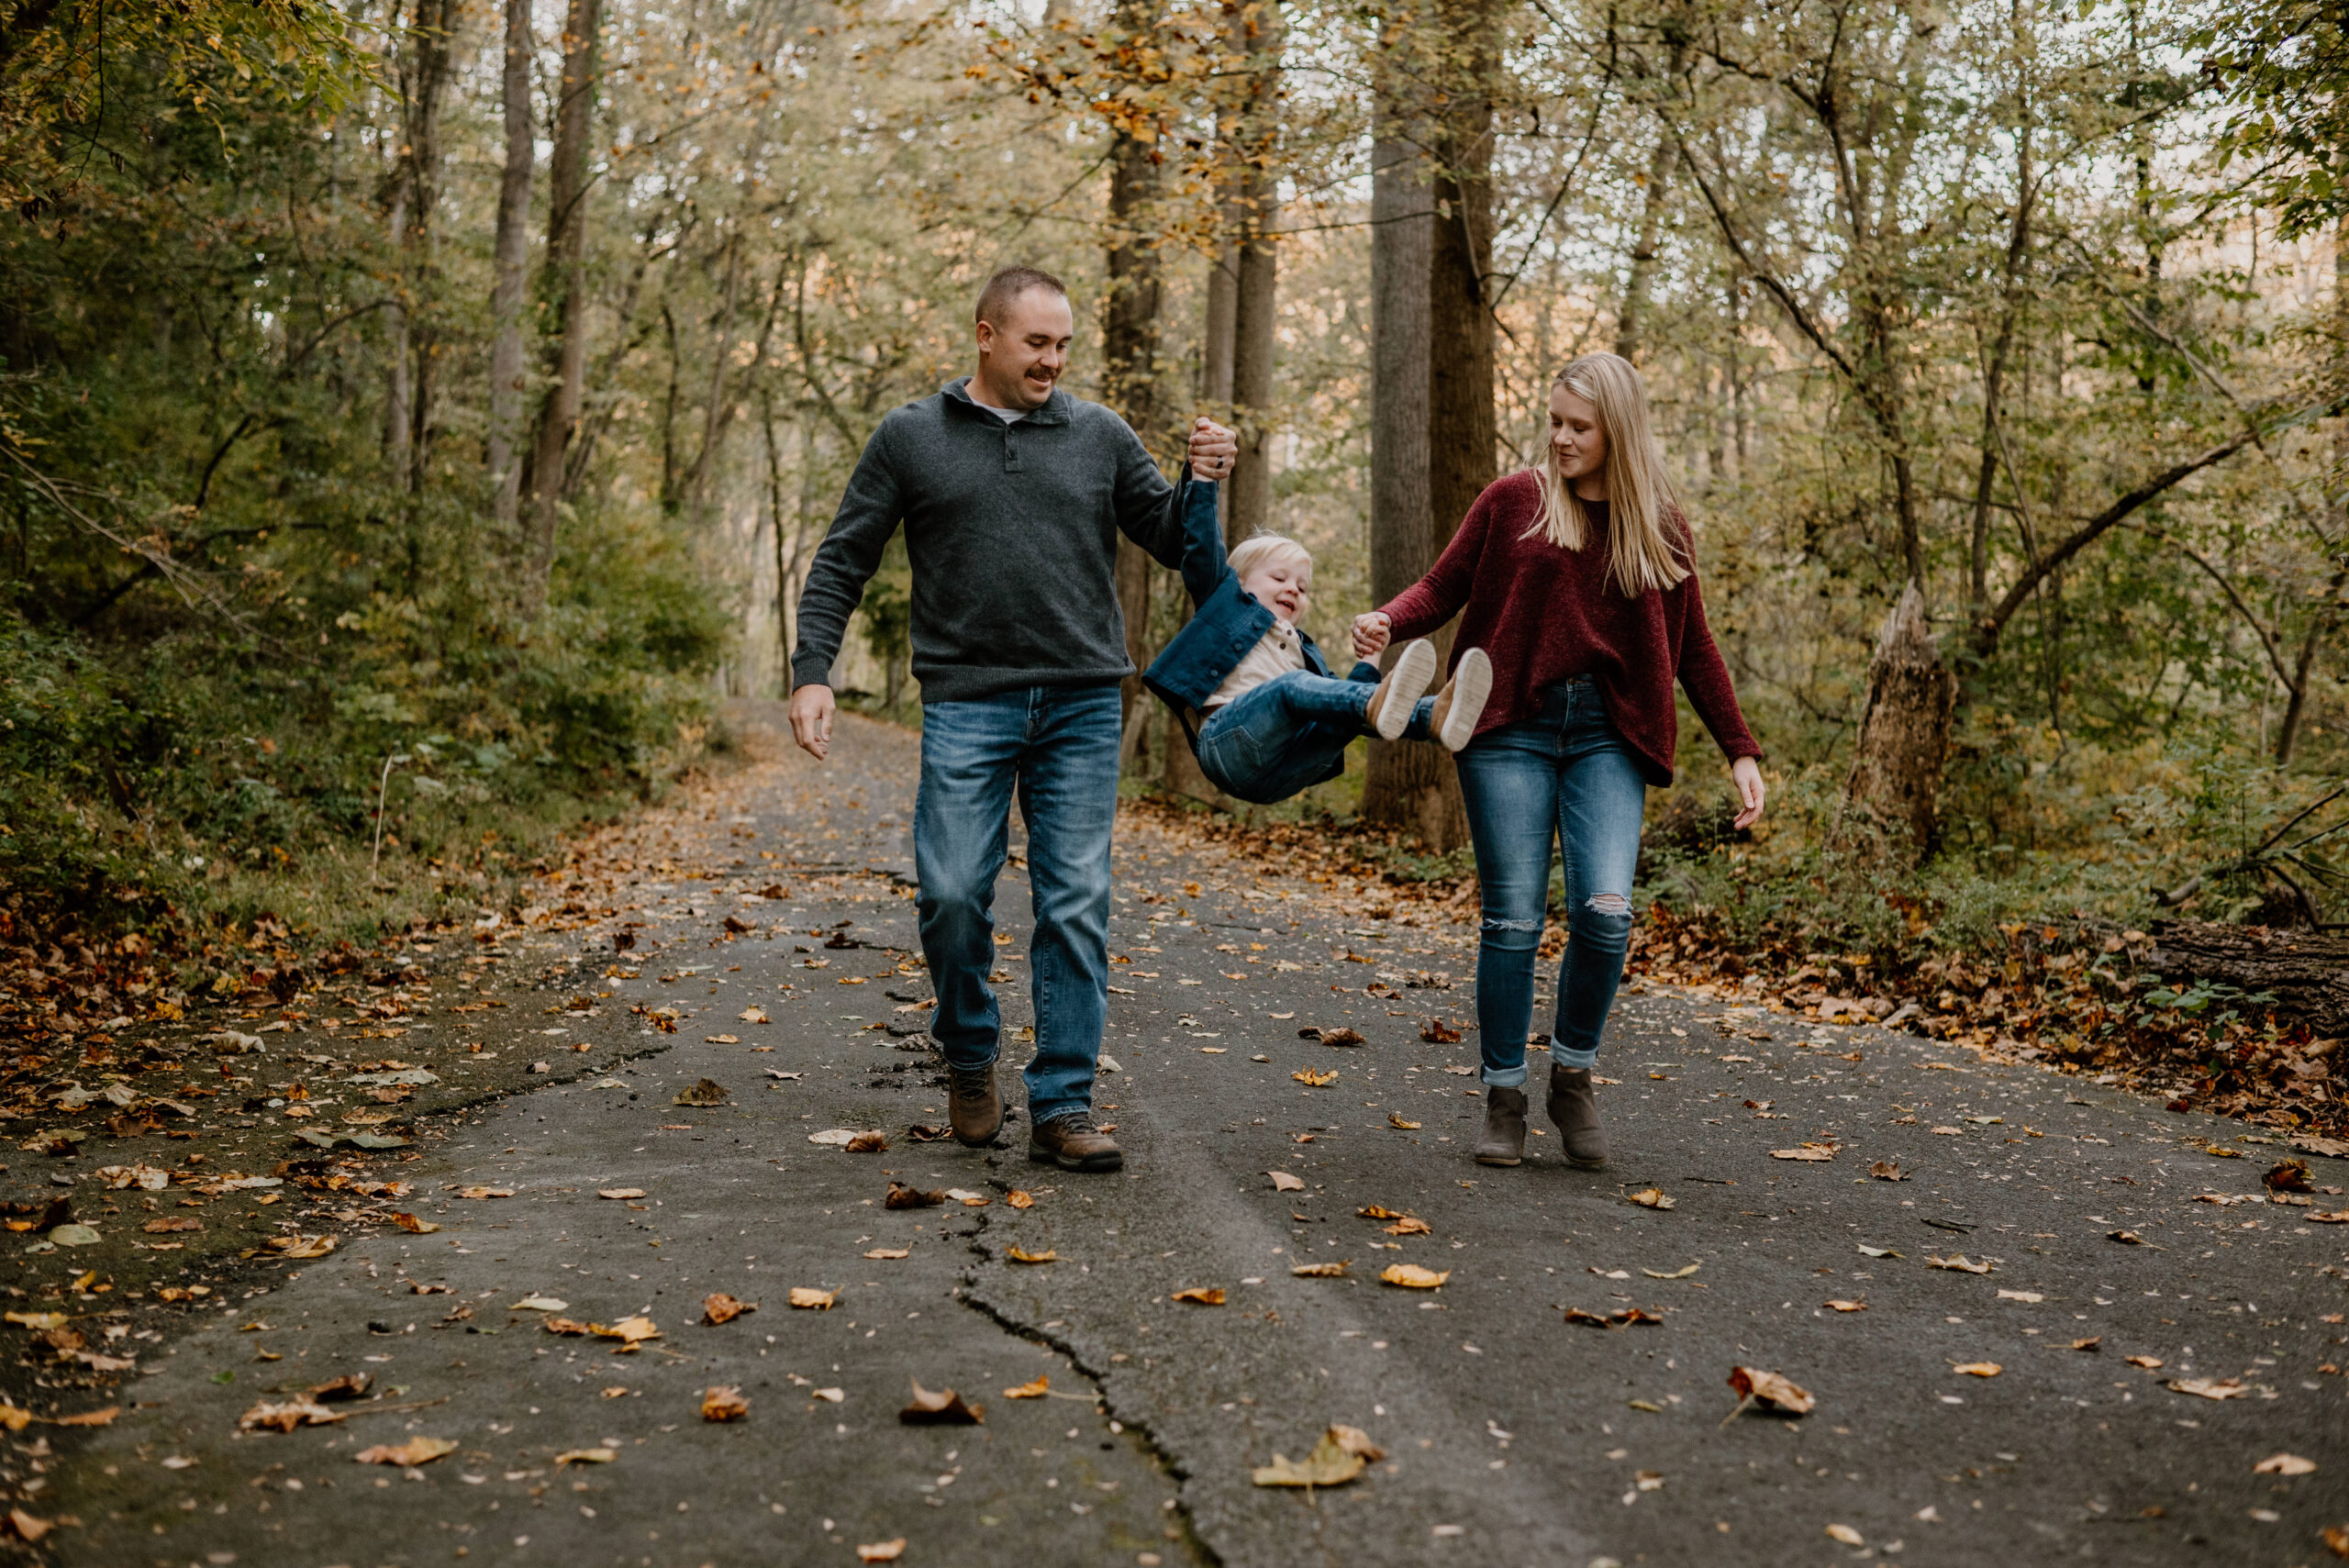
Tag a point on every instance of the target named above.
point(566, 286)
point(1409, 782)
point(1896, 773)
point(509, 291)
point(1130, 348)
point(2328, 614)
point(1257, 35)
point(2307, 971)
point(1632, 318)
point(423, 83)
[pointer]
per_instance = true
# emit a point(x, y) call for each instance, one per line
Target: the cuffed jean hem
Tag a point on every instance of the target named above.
point(1507, 1077)
point(1575, 1061)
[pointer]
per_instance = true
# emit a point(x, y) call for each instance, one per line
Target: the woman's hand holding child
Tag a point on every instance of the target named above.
point(1372, 631)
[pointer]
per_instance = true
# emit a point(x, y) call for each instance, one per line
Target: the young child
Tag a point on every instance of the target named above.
point(1274, 719)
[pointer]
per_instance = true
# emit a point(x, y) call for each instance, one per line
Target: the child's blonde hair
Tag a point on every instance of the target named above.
point(1253, 551)
point(1641, 554)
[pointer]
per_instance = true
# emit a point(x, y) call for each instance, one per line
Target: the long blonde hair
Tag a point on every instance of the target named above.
point(1641, 554)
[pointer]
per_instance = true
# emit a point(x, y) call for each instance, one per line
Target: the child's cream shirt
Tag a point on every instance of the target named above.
point(1277, 652)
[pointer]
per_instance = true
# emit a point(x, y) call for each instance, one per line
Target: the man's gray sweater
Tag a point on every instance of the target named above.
point(1012, 531)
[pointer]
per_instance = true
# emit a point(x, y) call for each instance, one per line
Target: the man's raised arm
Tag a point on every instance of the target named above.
point(869, 513)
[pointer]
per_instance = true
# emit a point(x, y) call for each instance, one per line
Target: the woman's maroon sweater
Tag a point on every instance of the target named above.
point(1543, 614)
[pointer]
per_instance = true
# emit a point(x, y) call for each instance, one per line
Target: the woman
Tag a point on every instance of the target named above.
point(1578, 579)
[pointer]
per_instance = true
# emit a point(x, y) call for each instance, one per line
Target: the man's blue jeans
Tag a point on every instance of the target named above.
point(1057, 747)
point(1564, 775)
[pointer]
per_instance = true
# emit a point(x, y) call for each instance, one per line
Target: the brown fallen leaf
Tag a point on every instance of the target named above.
point(2148, 1363)
point(1033, 1389)
point(1322, 1270)
point(2334, 1217)
point(939, 1408)
point(28, 1528)
point(349, 1386)
point(808, 1300)
point(701, 1092)
point(903, 1197)
point(1675, 1273)
point(2093, 1343)
point(1846, 1535)
point(585, 1456)
point(1848, 1305)
point(869, 1143)
point(102, 1416)
point(1961, 1262)
point(1650, 1197)
point(1200, 1296)
point(1887, 1171)
point(484, 1192)
point(1022, 1255)
point(413, 1224)
point(1341, 1035)
point(2023, 1296)
point(1342, 1453)
point(1771, 1388)
point(285, 1416)
point(2208, 1387)
point(40, 1321)
point(719, 1307)
point(1395, 1119)
point(1409, 1225)
point(411, 1453)
point(926, 1132)
point(1410, 1276)
point(301, 1246)
point(1435, 1031)
point(1285, 1183)
point(723, 1405)
point(1021, 1199)
point(1378, 1211)
point(2284, 1464)
point(565, 1326)
point(881, 1551)
point(879, 1253)
point(1977, 1369)
point(1313, 1079)
point(622, 1193)
point(2289, 1176)
point(165, 1228)
point(2128, 1238)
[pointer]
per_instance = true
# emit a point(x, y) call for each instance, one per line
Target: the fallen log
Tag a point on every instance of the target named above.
point(2306, 972)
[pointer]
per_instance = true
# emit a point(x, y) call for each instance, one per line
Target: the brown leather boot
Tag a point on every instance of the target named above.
point(973, 1107)
point(1573, 1105)
point(1503, 1141)
point(1071, 1142)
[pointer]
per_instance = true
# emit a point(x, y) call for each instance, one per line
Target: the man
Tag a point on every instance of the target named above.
point(1012, 494)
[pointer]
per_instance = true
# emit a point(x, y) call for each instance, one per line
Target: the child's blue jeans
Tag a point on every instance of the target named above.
point(1283, 735)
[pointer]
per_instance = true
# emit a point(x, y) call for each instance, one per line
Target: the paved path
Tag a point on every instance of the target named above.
point(1512, 1435)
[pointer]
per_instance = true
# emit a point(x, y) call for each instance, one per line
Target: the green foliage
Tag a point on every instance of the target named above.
point(2284, 66)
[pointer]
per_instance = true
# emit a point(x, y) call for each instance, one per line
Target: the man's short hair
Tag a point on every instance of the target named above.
point(1007, 285)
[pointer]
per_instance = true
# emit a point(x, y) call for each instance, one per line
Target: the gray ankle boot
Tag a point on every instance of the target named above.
point(1503, 1141)
point(1573, 1105)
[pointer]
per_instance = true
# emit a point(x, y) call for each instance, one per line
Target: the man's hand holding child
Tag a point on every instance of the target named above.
point(1213, 448)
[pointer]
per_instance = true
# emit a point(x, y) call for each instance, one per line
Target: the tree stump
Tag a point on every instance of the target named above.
point(1897, 773)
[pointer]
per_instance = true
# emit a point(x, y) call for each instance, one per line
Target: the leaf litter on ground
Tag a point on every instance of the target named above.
point(1342, 1453)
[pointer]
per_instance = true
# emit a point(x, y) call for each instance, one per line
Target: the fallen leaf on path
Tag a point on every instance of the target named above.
point(714, 1040)
point(2335, 1216)
point(1808, 1151)
point(903, 1197)
point(1340, 1035)
point(1675, 1273)
point(1322, 1270)
point(1410, 1276)
point(2006, 1295)
point(620, 1193)
point(2284, 1464)
point(2216, 1152)
point(837, 1137)
point(1846, 1534)
point(539, 1304)
point(1200, 1296)
point(1342, 1453)
point(565, 1326)
point(102, 1416)
point(301, 1246)
point(1887, 1171)
point(1022, 1255)
point(968, 1198)
point(723, 1405)
point(1313, 1079)
point(585, 1456)
point(2335, 1537)
point(2128, 1238)
point(874, 1142)
point(701, 1092)
point(2093, 1343)
point(484, 1192)
point(1961, 1262)
point(349, 1386)
point(1435, 1031)
point(1868, 1251)
point(752, 1015)
point(811, 1300)
point(28, 1528)
point(286, 1415)
point(926, 1133)
point(1409, 1225)
point(829, 1396)
point(150, 1178)
point(939, 1408)
point(1285, 1183)
point(1977, 1369)
point(1378, 1211)
point(630, 1331)
point(2208, 1388)
point(1021, 1200)
point(1650, 1197)
point(881, 1551)
point(1035, 1388)
point(413, 1224)
point(719, 1307)
point(1848, 1305)
point(1395, 1119)
point(411, 1453)
point(2289, 1176)
point(890, 1252)
point(1949, 1132)
point(42, 1321)
point(1771, 1388)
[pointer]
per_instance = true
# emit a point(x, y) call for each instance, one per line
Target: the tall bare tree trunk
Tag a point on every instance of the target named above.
point(2328, 614)
point(1409, 782)
point(424, 77)
point(1631, 317)
point(1129, 350)
point(1257, 35)
point(566, 283)
point(1896, 770)
point(509, 292)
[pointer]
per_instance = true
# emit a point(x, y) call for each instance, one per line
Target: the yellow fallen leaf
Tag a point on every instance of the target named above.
point(1395, 1119)
point(1977, 1369)
point(882, 1551)
point(619, 1192)
point(1033, 1389)
point(1676, 1274)
point(1021, 1200)
point(1410, 1276)
point(1771, 1388)
point(1410, 1225)
point(1808, 1151)
point(1848, 1305)
point(890, 1252)
point(2150, 1363)
point(1342, 1453)
point(585, 1456)
point(812, 1300)
point(1960, 1262)
point(1200, 1296)
point(1846, 1534)
point(1650, 1197)
point(2005, 1295)
point(2284, 1464)
point(723, 1405)
point(37, 1320)
point(413, 1452)
point(1322, 1270)
point(1022, 1255)
point(1313, 1079)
